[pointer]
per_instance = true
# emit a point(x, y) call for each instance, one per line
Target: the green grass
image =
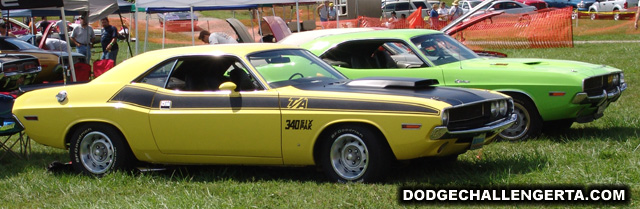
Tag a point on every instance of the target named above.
point(601, 152)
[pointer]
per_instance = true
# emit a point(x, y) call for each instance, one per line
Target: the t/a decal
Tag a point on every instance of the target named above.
point(299, 124)
point(298, 103)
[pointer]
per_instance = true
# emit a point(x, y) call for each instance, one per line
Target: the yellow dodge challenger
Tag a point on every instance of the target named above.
point(257, 104)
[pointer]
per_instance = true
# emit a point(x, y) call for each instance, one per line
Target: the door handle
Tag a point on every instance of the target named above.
point(461, 81)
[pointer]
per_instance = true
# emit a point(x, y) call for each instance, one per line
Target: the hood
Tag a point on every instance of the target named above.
point(413, 87)
point(539, 65)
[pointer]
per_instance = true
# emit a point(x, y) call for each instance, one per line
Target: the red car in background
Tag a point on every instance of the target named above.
point(539, 4)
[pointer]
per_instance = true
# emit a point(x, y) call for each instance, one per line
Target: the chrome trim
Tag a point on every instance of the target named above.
point(579, 98)
point(442, 130)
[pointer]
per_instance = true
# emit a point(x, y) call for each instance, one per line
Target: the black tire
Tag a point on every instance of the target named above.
point(616, 14)
point(528, 124)
point(359, 146)
point(593, 15)
point(97, 149)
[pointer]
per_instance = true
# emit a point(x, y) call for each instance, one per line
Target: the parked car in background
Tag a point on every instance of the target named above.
point(52, 62)
point(539, 4)
point(552, 93)
point(17, 70)
point(178, 19)
point(578, 5)
point(406, 8)
point(613, 8)
point(467, 5)
point(192, 105)
point(508, 6)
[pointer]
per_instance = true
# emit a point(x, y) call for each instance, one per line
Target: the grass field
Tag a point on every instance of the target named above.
point(602, 152)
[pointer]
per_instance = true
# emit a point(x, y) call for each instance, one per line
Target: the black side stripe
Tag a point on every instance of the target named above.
point(136, 96)
point(216, 101)
point(145, 98)
point(337, 104)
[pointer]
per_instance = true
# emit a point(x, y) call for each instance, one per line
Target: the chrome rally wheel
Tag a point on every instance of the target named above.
point(96, 152)
point(349, 157)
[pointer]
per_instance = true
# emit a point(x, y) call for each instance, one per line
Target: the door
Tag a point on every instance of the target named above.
point(192, 116)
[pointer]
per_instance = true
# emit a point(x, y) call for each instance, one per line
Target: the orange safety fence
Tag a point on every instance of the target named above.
point(542, 29)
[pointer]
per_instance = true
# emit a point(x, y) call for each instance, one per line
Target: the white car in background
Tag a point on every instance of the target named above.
point(613, 6)
point(467, 5)
point(405, 7)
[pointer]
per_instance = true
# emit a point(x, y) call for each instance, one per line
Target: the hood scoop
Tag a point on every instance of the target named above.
point(532, 63)
point(394, 82)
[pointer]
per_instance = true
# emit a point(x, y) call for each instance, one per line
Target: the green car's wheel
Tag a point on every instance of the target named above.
point(97, 149)
point(528, 123)
point(353, 154)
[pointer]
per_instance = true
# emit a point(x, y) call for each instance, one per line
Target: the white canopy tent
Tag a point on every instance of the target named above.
point(208, 3)
point(97, 10)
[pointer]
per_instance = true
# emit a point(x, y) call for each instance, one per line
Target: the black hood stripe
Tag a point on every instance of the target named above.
point(361, 105)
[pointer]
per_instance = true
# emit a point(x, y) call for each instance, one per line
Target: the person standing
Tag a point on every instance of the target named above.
point(455, 11)
point(323, 12)
point(82, 36)
point(109, 40)
point(433, 17)
point(4, 31)
point(635, 24)
point(43, 24)
point(443, 12)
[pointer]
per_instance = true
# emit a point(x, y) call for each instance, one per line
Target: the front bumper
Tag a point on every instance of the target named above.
point(442, 132)
point(597, 102)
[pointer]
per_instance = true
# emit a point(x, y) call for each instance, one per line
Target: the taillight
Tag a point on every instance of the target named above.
point(30, 65)
point(10, 68)
point(626, 4)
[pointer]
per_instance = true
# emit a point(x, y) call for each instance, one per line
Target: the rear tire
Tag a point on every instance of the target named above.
point(528, 122)
point(616, 14)
point(354, 153)
point(98, 149)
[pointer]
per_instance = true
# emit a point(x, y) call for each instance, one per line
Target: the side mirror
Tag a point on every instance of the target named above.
point(229, 86)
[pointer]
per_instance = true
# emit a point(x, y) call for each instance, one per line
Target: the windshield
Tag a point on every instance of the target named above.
point(474, 3)
point(442, 49)
point(292, 66)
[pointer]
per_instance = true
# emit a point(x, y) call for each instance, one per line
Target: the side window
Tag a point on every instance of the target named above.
point(372, 55)
point(403, 6)
point(158, 77)
point(389, 7)
point(207, 73)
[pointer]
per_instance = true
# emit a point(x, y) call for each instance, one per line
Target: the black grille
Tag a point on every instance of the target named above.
point(471, 116)
point(593, 86)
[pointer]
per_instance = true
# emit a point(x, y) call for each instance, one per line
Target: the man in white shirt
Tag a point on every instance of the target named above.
point(82, 36)
point(216, 38)
point(455, 11)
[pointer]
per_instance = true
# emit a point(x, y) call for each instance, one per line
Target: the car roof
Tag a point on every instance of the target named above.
point(306, 36)
point(321, 44)
point(139, 64)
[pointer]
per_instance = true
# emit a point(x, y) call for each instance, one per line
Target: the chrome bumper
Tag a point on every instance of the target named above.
point(583, 98)
point(442, 132)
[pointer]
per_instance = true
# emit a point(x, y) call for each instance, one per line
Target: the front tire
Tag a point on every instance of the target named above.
point(593, 14)
point(354, 153)
point(97, 149)
point(528, 123)
point(616, 14)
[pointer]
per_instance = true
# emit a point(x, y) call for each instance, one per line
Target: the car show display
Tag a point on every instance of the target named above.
point(257, 104)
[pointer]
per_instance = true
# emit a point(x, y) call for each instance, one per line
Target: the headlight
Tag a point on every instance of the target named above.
point(503, 108)
point(494, 109)
point(616, 80)
point(445, 117)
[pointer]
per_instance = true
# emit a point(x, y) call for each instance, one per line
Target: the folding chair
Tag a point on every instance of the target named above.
point(9, 130)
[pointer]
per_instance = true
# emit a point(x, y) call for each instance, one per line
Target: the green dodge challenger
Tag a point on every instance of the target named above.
point(546, 92)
